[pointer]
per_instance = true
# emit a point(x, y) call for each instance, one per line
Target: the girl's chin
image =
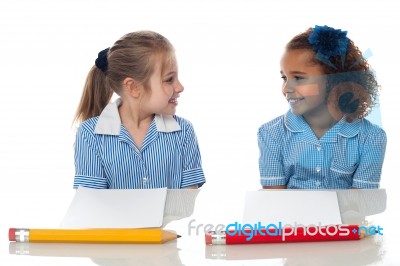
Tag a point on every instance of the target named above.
point(169, 112)
point(296, 111)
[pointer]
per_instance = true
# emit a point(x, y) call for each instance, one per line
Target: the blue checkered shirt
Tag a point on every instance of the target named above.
point(348, 155)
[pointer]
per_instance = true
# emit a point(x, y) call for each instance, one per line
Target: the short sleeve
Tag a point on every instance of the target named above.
point(270, 159)
point(88, 166)
point(368, 173)
point(192, 166)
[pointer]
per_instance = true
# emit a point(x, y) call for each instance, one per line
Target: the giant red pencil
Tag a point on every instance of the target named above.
point(289, 234)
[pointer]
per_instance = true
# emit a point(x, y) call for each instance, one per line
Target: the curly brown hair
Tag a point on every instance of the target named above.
point(354, 70)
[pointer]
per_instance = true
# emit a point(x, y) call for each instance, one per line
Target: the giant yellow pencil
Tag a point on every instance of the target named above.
point(108, 236)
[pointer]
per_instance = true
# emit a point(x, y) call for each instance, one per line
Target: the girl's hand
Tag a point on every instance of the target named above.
point(274, 187)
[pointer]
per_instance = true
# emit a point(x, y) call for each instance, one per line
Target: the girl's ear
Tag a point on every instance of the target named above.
point(131, 87)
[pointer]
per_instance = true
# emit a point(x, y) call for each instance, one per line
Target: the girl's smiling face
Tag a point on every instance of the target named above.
point(165, 88)
point(303, 83)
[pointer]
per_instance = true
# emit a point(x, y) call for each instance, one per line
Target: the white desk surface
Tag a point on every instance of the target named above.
point(43, 210)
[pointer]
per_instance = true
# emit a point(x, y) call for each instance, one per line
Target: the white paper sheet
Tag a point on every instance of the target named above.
point(299, 207)
point(116, 208)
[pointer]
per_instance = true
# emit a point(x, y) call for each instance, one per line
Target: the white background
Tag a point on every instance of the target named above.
point(228, 54)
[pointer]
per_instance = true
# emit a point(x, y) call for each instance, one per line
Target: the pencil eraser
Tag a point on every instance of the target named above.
point(208, 239)
point(11, 234)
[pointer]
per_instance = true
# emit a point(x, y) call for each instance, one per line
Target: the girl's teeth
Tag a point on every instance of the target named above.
point(293, 100)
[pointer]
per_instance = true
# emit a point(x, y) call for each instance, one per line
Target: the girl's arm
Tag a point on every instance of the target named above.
point(88, 165)
point(270, 162)
point(369, 170)
point(193, 176)
point(192, 187)
point(274, 187)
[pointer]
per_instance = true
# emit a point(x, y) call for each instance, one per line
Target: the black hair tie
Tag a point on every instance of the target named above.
point(101, 61)
point(346, 105)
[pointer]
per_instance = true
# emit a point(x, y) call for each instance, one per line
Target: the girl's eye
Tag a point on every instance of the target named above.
point(298, 78)
point(170, 79)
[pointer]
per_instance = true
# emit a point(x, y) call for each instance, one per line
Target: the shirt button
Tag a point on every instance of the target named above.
point(317, 183)
point(318, 148)
point(318, 169)
point(144, 179)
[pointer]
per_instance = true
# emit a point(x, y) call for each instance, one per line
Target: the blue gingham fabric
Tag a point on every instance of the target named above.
point(348, 155)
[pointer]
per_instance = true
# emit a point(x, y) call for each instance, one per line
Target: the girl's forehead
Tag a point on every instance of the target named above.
point(300, 60)
point(166, 63)
point(298, 56)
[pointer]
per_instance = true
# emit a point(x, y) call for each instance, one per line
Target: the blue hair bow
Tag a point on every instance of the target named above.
point(327, 42)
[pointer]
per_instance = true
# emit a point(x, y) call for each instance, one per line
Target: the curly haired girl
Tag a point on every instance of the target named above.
point(324, 140)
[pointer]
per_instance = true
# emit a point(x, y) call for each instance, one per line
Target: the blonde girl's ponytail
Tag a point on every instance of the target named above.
point(96, 91)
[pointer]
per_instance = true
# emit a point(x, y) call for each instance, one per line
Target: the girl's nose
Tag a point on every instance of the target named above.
point(287, 87)
point(179, 88)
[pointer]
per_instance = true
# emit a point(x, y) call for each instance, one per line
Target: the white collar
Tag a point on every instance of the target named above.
point(109, 122)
